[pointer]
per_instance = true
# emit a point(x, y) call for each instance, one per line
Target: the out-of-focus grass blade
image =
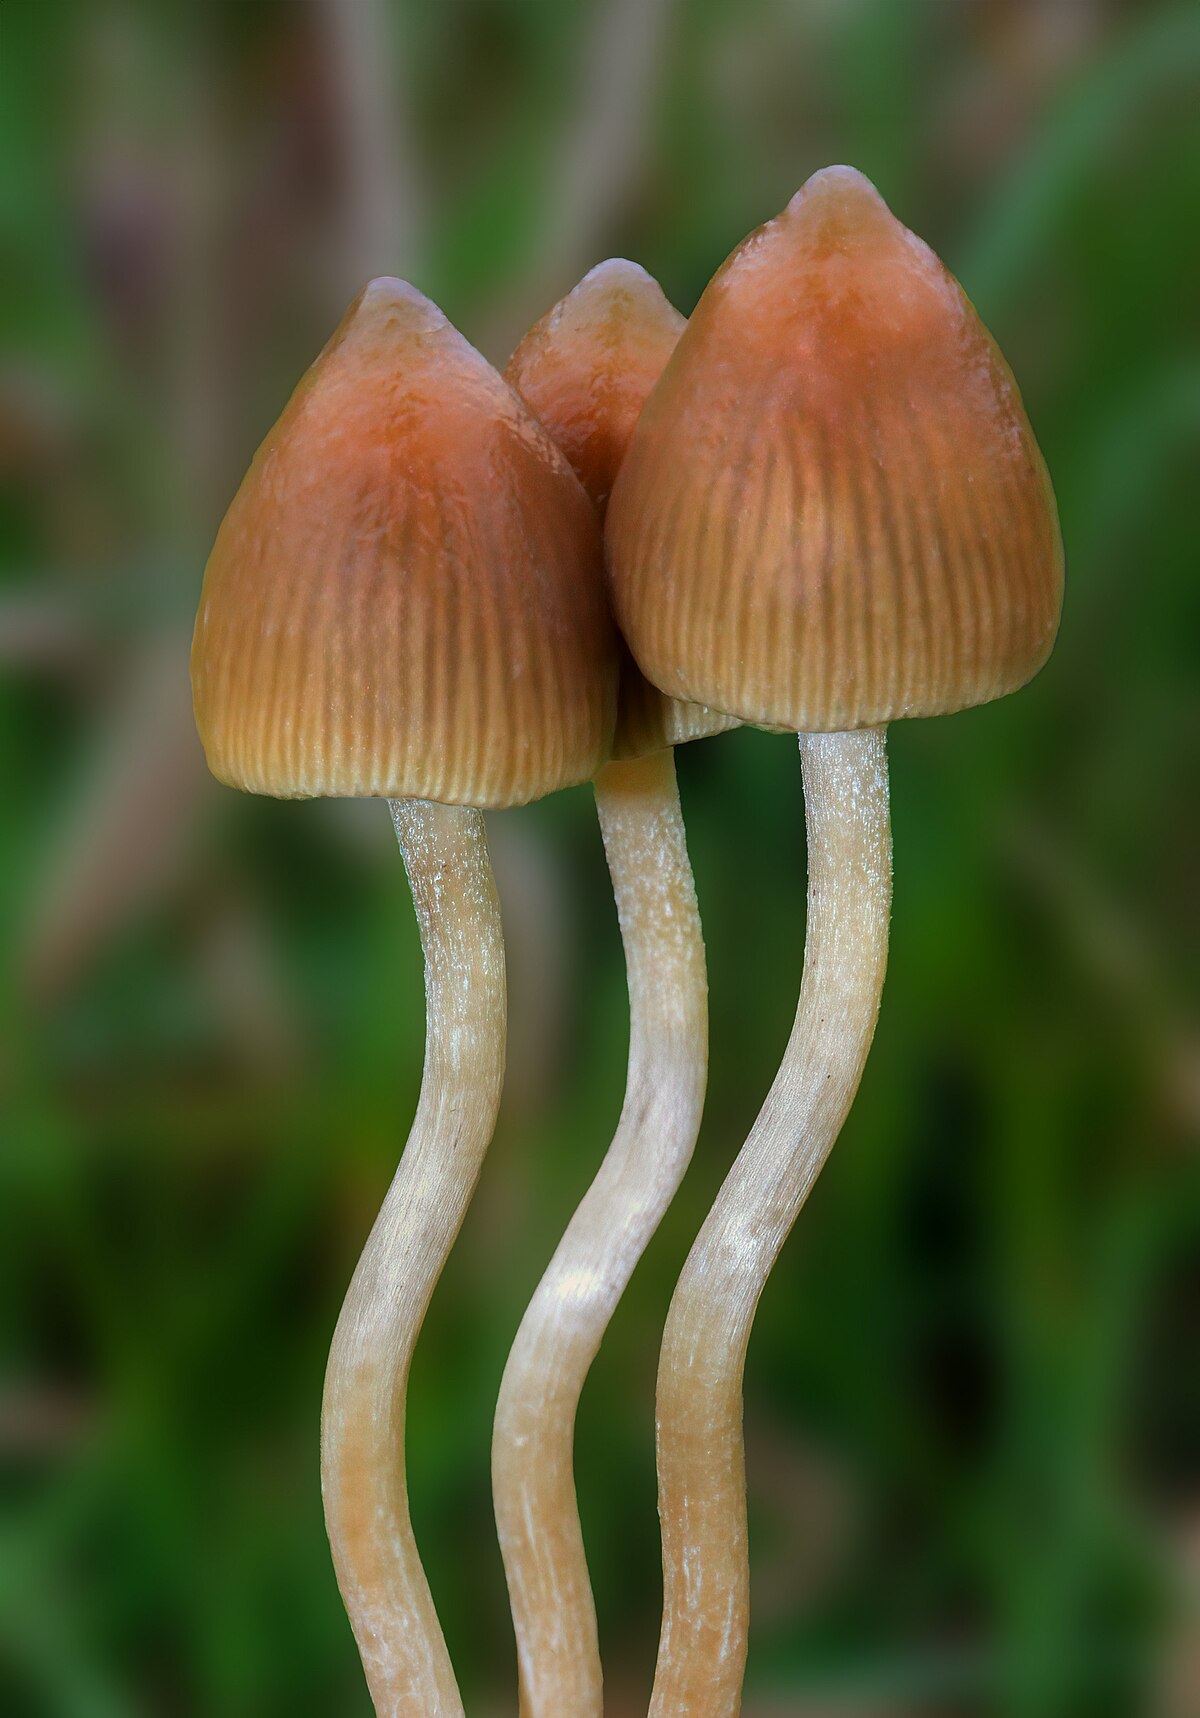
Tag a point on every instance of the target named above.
point(1019, 225)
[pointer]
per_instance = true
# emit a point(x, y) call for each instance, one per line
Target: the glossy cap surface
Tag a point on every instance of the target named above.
point(585, 369)
point(833, 512)
point(406, 597)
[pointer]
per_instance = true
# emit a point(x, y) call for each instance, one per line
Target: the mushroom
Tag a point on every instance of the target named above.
point(585, 369)
point(832, 514)
point(405, 600)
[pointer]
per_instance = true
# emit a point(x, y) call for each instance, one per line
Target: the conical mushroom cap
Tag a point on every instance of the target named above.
point(585, 369)
point(833, 512)
point(406, 596)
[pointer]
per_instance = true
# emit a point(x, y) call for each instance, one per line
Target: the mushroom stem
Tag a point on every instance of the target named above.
point(362, 1430)
point(701, 1459)
point(532, 1450)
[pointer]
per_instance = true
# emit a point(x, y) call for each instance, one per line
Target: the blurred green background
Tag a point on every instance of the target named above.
point(973, 1400)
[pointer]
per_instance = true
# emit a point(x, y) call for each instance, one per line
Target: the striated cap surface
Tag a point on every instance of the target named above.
point(406, 597)
point(585, 369)
point(833, 511)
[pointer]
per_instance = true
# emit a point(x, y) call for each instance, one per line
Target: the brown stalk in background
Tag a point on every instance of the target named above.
point(833, 513)
point(598, 158)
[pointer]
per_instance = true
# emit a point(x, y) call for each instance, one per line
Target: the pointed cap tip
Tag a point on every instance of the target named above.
point(397, 301)
point(618, 271)
point(618, 285)
point(838, 176)
point(838, 191)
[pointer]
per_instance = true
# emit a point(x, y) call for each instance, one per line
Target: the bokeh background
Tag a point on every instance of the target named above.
point(973, 1401)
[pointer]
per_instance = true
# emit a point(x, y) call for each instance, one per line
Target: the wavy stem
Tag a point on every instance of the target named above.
point(701, 1459)
point(362, 1427)
point(533, 1444)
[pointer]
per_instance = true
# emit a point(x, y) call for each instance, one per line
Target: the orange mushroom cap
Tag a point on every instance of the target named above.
point(586, 369)
point(406, 597)
point(833, 511)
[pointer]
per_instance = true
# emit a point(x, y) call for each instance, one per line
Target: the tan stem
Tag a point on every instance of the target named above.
point(362, 1429)
point(532, 1449)
point(701, 1461)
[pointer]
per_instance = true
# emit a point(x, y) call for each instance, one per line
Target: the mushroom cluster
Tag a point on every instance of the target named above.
point(822, 508)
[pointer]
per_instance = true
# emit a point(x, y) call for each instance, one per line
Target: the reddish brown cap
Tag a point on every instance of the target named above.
point(406, 596)
point(833, 511)
point(586, 369)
